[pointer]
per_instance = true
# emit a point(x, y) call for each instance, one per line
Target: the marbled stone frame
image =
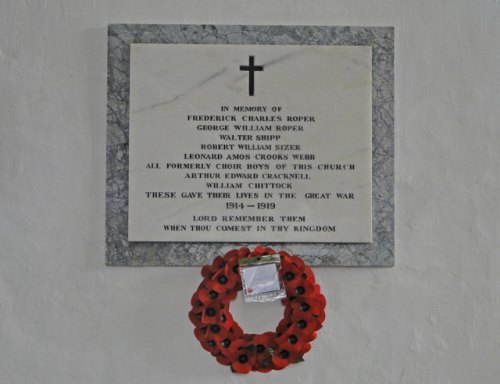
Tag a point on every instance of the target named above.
point(120, 252)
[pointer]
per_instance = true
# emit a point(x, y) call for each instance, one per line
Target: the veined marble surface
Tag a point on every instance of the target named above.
point(121, 252)
point(328, 86)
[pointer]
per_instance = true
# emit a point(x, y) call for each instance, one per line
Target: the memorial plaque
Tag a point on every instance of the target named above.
point(222, 136)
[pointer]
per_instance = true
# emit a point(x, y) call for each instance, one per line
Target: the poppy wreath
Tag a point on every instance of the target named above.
point(220, 334)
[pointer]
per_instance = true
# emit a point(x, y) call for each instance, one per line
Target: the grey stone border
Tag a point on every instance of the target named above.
point(119, 252)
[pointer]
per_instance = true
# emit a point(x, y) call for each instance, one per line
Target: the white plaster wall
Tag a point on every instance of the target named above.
point(66, 318)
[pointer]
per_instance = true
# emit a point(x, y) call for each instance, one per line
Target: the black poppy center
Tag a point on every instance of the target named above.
point(284, 354)
point(304, 306)
point(242, 359)
point(302, 324)
point(198, 303)
point(210, 312)
point(300, 290)
point(214, 328)
point(289, 276)
point(260, 348)
point(213, 294)
point(222, 279)
point(292, 339)
point(226, 343)
point(235, 268)
point(211, 343)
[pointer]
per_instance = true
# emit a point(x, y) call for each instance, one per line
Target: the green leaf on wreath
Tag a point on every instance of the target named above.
point(300, 359)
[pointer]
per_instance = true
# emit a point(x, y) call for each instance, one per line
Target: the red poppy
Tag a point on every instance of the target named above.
point(259, 250)
point(243, 362)
point(200, 333)
point(218, 262)
point(306, 305)
point(299, 288)
point(220, 282)
point(218, 332)
point(270, 251)
point(208, 271)
point(289, 338)
point(309, 275)
point(303, 324)
point(206, 295)
point(311, 304)
point(243, 252)
point(297, 261)
point(286, 354)
point(228, 322)
point(212, 313)
point(283, 326)
point(195, 317)
point(263, 356)
point(285, 258)
point(236, 330)
point(232, 271)
point(232, 254)
point(291, 273)
point(240, 353)
point(306, 348)
point(232, 349)
point(288, 350)
point(196, 302)
point(223, 359)
point(210, 346)
point(233, 293)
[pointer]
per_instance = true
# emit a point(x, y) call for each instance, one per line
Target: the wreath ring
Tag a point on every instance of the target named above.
point(220, 334)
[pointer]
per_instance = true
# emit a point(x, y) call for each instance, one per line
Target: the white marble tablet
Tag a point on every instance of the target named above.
point(210, 161)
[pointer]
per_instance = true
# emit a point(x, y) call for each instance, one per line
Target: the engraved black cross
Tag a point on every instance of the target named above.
point(251, 68)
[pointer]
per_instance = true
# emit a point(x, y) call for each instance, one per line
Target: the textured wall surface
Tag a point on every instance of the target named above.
point(66, 318)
